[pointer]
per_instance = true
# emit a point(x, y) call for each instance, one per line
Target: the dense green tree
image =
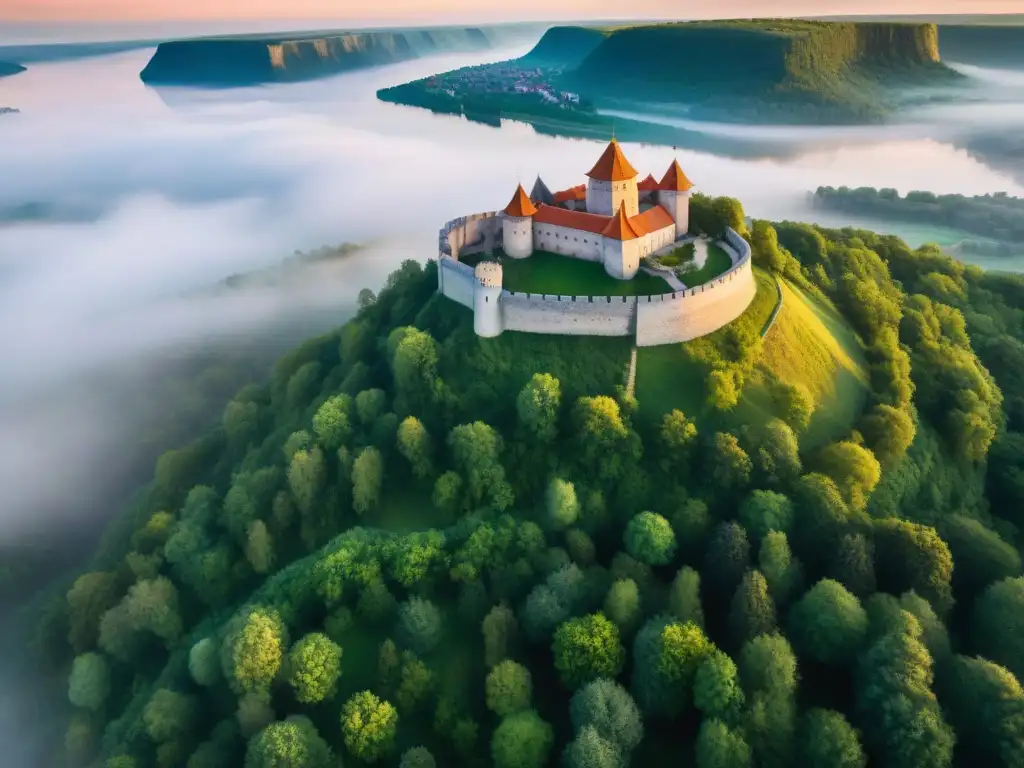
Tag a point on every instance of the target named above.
point(448, 492)
point(888, 433)
point(901, 717)
point(333, 422)
point(795, 403)
point(414, 364)
point(986, 704)
point(782, 571)
point(853, 565)
point(994, 624)
point(770, 728)
point(89, 682)
point(169, 715)
point(821, 520)
point(417, 757)
point(256, 649)
point(692, 525)
point(720, 747)
point(204, 662)
point(537, 406)
point(315, 666)
point(367, 479)
point(622, 605)
point(727, 557)
point(152, 606)
point(828, 624)
point(827, 740)
point(854, 469)
point(607, 707)
point(605, 446)
point(522, 740)
point(563, 508)
point(752, 611)
point(591, 750)
point(723, 389)
point(292, 743)
point(728, 465)
point(419, 624)
point(415, 445)
point(767, 665)
point(500, 629)
point(369, 726)
point(477, 450)
point(240, 421)
point(980, 556)
point(684, 597)
point(508, 688)
point(259, 547)
point(370, 405)
point(912, 556)
point(666, 655)
point(307, 474)
point(416, 683)
point(775, 453)
point(254, 712)
point(764, 511)
point(586, 648)
point(716, 688)
point(650, 539)
point(581, 547)
point(678, 437)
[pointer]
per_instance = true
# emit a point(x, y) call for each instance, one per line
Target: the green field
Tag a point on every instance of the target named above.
point(809, 344)
point(545, 272)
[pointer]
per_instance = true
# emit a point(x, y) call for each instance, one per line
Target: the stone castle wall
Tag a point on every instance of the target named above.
point(660, 319)
point(456, 281)
point(568, 315)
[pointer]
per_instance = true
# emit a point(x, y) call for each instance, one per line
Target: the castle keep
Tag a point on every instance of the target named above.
point(613, 220)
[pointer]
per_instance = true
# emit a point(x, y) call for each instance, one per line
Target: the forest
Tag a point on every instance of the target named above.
point(414, 547)
point(997, 216)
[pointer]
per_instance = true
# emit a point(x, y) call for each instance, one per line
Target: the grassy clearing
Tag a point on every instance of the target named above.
point(677, 256)
point(810, 344)
point(718, 262)
point(550, 273)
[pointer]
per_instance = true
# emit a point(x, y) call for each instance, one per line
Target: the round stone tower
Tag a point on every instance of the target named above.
point(517, 225)
point(487, 299)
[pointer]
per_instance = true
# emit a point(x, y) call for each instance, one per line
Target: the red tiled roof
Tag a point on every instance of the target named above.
point(675, 180)
point(520, 204)
point(648, 185)
point(562, 217)
point(612, 165)
point(578, 192)
point(651, 220)
point(619, 228)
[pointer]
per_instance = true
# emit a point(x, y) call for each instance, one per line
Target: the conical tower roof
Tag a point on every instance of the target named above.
point(648, 184)
point(612, 165)
point(675, 180)
point(520, 204)
point(619, 227)
point(540, 193)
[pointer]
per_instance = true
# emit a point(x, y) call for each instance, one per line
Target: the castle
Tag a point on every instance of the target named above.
point(611, 229)
point(613, 220)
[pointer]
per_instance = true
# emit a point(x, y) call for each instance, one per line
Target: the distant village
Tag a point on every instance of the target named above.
point(504, 79)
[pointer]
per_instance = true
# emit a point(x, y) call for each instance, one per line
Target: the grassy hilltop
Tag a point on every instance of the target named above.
point(414, 547)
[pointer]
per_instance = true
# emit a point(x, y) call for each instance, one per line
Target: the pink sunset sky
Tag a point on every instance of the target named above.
point(417, 11)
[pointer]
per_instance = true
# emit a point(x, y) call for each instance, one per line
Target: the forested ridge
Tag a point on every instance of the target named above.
point(414, 547)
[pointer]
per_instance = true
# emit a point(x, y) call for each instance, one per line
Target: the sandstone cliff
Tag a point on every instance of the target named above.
point(250, 60)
